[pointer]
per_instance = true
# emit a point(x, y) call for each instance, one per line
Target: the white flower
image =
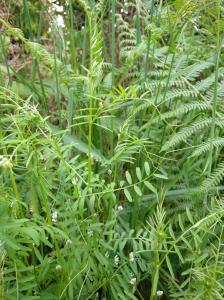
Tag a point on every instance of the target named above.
point(83, 27)
point(58, 8)
point(68, 242)
point(109, 171)
point(5, 163)
point(116, 260)
point(131, 257)
point(133, 281)
point(74, 181)
point(122, 10)
point(159, 293)
point(120, 208)
point(58, 268)
point(60, 21)
point(55, 217)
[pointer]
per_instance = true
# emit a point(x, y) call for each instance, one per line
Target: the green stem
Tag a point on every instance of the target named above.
point(138, 24)
point(113, 23)
point(212, 133)
point(90, 121)
point(113, 7)
point(57, 96)
point(72, 37)
point(84, 46)
point(155, 277)
point(14, 185)
point(27, 20)
point(44, 199)
point(149, 40)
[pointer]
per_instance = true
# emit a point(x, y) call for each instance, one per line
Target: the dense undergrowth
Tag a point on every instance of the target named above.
point(111, 167)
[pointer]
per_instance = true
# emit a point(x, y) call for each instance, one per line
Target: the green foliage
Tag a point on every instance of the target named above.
point(111, 153)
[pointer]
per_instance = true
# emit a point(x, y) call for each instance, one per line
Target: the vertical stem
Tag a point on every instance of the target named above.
point(58, 100)
point(17, 283)
point(218, 47)
point(72, 37)
point(70, 109)
point(134, 213)
point(138, 24)
point(17, 195)
point(4, 56)
point(155, 277)
point(84, 46)
point(113, 23)
point(149, 41)
point(35, 203)
point(113, 7)
point(90, 102)
point(27, 20)
point(37, 66)
point(44, 199)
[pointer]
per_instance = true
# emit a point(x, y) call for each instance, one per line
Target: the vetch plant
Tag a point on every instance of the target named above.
point(111, 152)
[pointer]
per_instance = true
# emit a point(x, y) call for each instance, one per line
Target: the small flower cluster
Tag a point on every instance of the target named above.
point(57, 11)
point(125, 10)
point(120, 208)
point(131, 257)
point(133, 281)
point(54, 217)
point(68, 243)
point(55, 7)
point(159, 294)
point(5, 163)
point(116, 260)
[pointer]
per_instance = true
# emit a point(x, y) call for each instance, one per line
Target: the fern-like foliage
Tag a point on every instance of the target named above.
point(206, 146)
point(184, 109)
point(186, 132)
point(214, 179)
